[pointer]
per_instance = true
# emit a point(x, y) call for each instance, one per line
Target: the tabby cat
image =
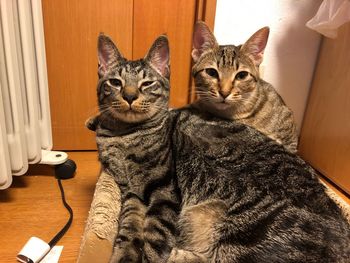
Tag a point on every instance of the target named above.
point(133, 132)
point(228, 85)
point(246, 198)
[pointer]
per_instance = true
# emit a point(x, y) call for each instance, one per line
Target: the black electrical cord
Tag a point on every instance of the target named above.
point(35, 248)
point(61, 233)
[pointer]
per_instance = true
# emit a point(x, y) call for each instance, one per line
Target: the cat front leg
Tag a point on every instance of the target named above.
point(185, 256)
point(160, 229)
point(129, 241)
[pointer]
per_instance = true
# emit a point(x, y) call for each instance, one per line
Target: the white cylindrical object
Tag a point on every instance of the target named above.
point(33, 251)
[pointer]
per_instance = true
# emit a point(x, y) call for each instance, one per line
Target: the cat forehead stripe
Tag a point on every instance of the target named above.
point(141, 74)
point(227, 57)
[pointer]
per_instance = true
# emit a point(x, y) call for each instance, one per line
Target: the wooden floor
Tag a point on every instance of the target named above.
point(336, 189)
point(32, 206)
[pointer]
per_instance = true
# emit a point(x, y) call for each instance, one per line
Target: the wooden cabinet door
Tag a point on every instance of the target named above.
point(176, 19)
point(325, 135)
point(71, 30)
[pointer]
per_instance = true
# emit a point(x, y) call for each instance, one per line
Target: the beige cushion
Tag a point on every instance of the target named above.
point(102, 223)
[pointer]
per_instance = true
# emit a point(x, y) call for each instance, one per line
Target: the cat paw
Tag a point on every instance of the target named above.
point(126, 251)
point(91, 123)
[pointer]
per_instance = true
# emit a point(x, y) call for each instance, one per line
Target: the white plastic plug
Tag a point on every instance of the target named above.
point(33, 251)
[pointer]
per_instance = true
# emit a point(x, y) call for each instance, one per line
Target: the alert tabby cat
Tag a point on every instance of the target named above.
point(228, 85)
point(133, 132)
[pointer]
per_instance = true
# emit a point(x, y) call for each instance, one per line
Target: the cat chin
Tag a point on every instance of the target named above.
point(219, 109)
point(132, 116)
point(221, 105)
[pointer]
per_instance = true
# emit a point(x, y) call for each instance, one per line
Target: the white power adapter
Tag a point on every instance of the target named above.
point(35, 248)
point(33, 251)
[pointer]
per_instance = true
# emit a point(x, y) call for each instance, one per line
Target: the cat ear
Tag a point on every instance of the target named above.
point(256, 44)
point(158, 56)
point(203, 39)
point(108, 54)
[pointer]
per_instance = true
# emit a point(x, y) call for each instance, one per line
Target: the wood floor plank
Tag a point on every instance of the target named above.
point(32, 206)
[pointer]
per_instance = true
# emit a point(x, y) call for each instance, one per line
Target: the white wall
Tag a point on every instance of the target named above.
point(291, 51)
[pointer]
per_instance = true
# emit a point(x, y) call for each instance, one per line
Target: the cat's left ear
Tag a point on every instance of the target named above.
point(159, 56)
point(254, 47)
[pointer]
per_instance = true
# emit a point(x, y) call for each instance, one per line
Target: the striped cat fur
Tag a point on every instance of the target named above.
point(245, 198)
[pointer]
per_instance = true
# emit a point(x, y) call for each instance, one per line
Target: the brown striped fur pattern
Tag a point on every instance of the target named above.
point(247, 199)
point(133, 132)
point(228, 85)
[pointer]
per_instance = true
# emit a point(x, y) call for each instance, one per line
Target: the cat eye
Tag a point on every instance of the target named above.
point(242, 75)
point(115, 82)
point(147, 83)
point(212, 72)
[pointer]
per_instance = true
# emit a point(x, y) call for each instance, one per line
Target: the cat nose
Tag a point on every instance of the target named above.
point(223, 94)
point(129, 97)
point(130, 93)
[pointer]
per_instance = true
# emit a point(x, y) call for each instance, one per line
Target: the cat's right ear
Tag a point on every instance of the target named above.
point(159, 57)
point(254, 47)
point(108, 54)
point(203, 39)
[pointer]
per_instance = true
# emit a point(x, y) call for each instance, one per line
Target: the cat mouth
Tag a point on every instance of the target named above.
point(132, 109)
point(137, 110)
point(129, 112)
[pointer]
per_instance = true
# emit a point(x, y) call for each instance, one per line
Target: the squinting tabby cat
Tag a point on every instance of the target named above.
point(133, 133)
point(246, 198)
point(228, 85)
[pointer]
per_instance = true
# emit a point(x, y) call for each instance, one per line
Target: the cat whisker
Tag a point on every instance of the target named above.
point(93, 111)
point(200, 91)
point(159, 107)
